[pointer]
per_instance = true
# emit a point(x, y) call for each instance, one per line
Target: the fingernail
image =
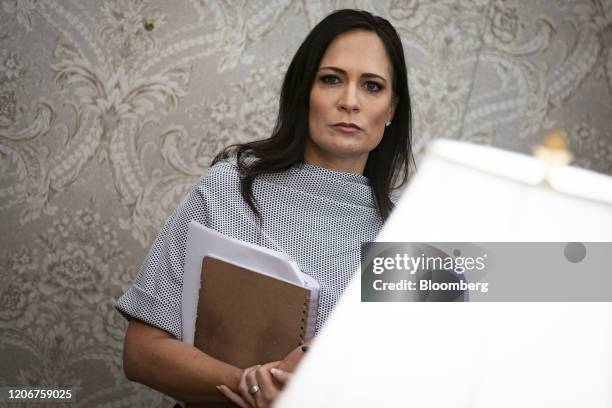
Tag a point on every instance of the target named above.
point(275, 371)
point(305, 348)
point(218, 387)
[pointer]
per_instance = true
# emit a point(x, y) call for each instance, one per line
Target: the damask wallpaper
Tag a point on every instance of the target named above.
point(110, 110)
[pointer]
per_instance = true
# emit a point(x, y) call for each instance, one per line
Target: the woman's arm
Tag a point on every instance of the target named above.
point(153, 357)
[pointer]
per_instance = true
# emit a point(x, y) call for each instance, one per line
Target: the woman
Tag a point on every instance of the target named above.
point(316, 189)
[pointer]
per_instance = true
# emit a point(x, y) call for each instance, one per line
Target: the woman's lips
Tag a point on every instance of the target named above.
point(345, 128)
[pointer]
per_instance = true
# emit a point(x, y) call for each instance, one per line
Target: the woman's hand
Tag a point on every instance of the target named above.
point(259, 386)
point(269, 378)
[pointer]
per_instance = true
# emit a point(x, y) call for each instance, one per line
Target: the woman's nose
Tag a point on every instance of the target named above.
point(349, 100)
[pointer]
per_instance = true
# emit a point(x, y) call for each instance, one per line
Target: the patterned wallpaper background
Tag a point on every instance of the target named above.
point(110, 110)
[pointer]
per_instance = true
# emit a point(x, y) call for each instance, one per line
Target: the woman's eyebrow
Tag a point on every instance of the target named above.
point(364, 75)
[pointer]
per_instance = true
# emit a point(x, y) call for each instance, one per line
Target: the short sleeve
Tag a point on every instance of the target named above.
point(155, 296)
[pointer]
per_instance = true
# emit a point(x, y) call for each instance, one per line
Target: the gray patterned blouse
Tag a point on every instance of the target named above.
point(317, 216)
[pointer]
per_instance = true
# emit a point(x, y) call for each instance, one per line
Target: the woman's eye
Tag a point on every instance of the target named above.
point(329, 79)
point(373, 87)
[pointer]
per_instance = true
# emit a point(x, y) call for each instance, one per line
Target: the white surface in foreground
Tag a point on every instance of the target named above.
point(473, 354)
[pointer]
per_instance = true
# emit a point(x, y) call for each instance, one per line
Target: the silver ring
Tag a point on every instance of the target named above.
point(254, 389)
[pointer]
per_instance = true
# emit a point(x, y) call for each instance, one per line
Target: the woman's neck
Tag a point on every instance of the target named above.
point(353, 164)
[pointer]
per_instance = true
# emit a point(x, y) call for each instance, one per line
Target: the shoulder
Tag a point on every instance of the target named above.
point(224, 172)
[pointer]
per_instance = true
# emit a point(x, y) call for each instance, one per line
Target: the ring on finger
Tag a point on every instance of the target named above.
point(254, 389)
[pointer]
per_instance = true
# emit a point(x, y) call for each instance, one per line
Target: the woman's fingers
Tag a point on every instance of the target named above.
point(269, 390)
point(281, 376)
point(232, 396)
point(247, 381)
point(253, 380)
point(258, 387)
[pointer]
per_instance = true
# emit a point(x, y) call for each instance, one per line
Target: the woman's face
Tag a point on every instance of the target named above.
point(351, 99)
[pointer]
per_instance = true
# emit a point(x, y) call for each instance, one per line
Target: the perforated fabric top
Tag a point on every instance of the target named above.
point(319, 217)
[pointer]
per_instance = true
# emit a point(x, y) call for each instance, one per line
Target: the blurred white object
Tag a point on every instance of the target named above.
point(472, 354)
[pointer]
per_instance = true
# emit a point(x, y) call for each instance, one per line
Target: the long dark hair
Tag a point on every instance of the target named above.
point(388, 164)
